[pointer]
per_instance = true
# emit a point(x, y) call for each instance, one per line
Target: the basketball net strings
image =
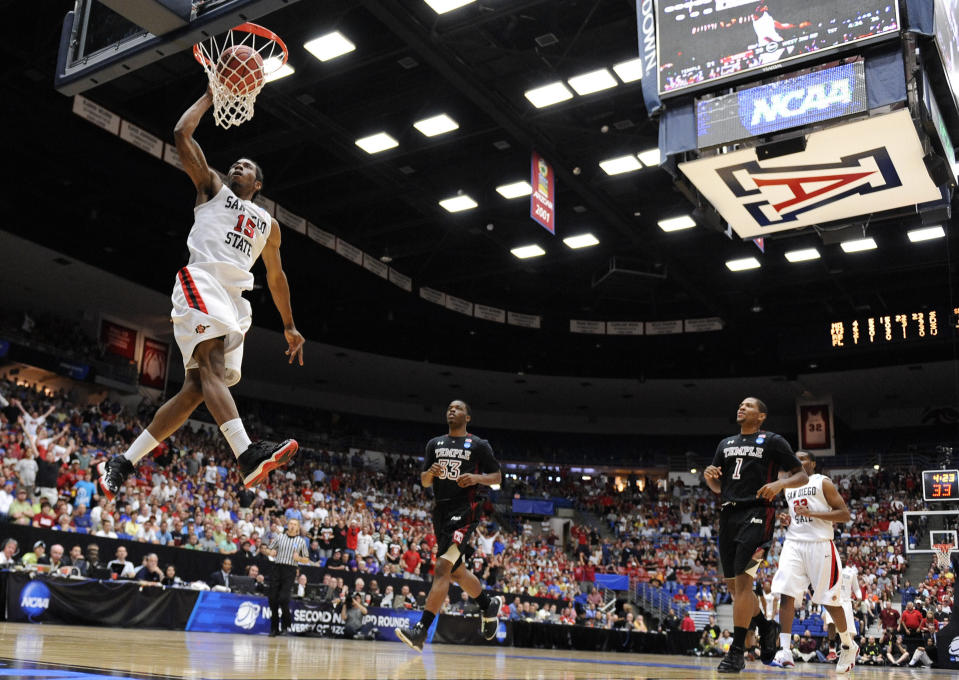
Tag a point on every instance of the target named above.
point(231, 107)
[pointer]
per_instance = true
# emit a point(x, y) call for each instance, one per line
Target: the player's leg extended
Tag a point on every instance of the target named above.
point(489, 606)
point(167, 420)
point(415, 637)
point(211, 369)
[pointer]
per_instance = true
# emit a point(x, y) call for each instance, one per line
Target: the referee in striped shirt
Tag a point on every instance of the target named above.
point(286, 550)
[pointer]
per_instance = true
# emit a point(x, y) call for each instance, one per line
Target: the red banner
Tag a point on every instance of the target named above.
point(153, 365)
point(542, 202)
point(118, 339)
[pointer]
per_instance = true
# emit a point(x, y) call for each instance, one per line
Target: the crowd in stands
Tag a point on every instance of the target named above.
point(372, 520)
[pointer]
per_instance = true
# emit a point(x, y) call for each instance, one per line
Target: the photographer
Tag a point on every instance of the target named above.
point(352, 611)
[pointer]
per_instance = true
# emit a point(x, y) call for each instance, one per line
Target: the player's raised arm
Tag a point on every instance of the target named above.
point(206, 181)
point(280, 290)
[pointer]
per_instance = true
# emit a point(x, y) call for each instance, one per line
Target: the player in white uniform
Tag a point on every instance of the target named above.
point(210, 317)
point(809, 557)
point(849, 588)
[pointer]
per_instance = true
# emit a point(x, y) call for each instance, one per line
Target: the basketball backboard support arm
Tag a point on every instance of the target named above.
point(159, 17)
point(78, 72)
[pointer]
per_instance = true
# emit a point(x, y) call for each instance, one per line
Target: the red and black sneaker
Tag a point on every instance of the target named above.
point(113, 473)
point(261, 458)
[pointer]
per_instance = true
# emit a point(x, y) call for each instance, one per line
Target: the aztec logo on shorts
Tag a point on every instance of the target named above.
point(200, 328)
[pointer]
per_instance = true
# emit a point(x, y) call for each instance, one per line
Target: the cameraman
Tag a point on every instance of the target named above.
point(352, 613)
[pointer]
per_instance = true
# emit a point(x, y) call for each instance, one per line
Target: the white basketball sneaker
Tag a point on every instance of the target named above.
point(847, 658)
point(783, 659)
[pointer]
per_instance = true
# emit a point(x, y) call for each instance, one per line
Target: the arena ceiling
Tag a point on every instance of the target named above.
point(88, 194)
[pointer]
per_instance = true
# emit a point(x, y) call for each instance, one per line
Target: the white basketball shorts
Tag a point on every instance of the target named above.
point(850, 619)
point(204, 309)
point(805, 563)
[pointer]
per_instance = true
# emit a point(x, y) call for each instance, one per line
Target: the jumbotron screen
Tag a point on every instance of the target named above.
point(704, 41)
point(947, 40)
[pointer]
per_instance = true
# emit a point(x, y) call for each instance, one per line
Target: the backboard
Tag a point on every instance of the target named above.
point(100, 40)
point(925, 528)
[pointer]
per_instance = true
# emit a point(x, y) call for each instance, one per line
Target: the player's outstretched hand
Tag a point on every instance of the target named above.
point(712, 472)
point(467, 480)
point(769, 491)
point(295, 342)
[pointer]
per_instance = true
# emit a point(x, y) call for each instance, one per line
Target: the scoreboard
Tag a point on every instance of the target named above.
point(907, 326)
point(940, 485)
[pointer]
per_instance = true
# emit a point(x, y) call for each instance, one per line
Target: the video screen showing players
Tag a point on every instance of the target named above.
point(701, 41)
point(947, 39)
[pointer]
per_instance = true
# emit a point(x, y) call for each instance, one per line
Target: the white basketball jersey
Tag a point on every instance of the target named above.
point(227, 237)
point(809, 496)
point(815, 429)
point(849, 584)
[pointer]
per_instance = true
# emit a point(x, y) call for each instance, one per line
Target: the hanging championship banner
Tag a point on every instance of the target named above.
point(542, 202)
point(816, 425)
point(118, 339)
point(154, 363)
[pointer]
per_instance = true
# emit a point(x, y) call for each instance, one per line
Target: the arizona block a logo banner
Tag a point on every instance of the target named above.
point(846, 171)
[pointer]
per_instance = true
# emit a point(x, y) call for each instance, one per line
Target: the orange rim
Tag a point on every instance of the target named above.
point(255, 29)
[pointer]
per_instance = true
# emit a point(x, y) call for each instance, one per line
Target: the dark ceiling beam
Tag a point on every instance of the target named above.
point(501, 111)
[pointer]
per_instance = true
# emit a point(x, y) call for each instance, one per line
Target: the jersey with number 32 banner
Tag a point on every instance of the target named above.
point(458, 456)
point(749, 462)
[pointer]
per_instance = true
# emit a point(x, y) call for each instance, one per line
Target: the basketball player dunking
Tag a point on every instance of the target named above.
point(455, 465)
point(210, 317)
point(809, 557)
point(744, 473)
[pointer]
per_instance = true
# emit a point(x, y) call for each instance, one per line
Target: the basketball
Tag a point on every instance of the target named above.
point(241, 68)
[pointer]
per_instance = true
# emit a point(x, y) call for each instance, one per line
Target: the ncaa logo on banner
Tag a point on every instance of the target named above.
point(246, 615)
point(34, 599)
point(846, 171)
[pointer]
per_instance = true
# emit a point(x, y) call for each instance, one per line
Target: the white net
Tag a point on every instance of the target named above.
point(942, 554)
point(238, 65)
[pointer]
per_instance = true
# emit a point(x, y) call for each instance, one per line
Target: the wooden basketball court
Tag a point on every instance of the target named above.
point(39, 651)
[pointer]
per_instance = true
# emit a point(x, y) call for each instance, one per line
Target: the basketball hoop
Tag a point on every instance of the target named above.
point(235, 82)
point(942, 554)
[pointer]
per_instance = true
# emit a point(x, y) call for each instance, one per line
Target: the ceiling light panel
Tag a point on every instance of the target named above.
point(581, 241)
point(444, 6)
point(594, 81)
point(804, 255)
point(458, 203)
point(858, 245)
point(677, 223)
point(436, 125)
point(649, 158)
point(514, 190)
point(329, 46)
point(547, 95)
point(376, 143)
point(620, 164)
point(276, 69)
point(926, 234)
point(742, 264)
point(526, 252)
point(631, 70)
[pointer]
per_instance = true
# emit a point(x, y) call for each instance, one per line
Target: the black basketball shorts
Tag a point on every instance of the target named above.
point(454, 529)
point(745, 534)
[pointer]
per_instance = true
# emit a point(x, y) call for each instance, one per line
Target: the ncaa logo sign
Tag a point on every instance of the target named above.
point(846, 171)
point(35, 599)
point(246, 615)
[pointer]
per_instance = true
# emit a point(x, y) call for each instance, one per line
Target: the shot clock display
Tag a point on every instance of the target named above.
point(913, 326)
point(940, 485)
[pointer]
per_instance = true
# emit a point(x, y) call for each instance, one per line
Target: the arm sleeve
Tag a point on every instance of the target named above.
point(429, 457)
point(488, 462)
point(718, 456)
point(783, 453)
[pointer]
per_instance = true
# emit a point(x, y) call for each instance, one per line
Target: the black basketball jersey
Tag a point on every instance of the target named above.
point(459, 455)
point(750, 461)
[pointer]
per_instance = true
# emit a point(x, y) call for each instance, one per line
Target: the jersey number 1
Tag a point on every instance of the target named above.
point(739, 465)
